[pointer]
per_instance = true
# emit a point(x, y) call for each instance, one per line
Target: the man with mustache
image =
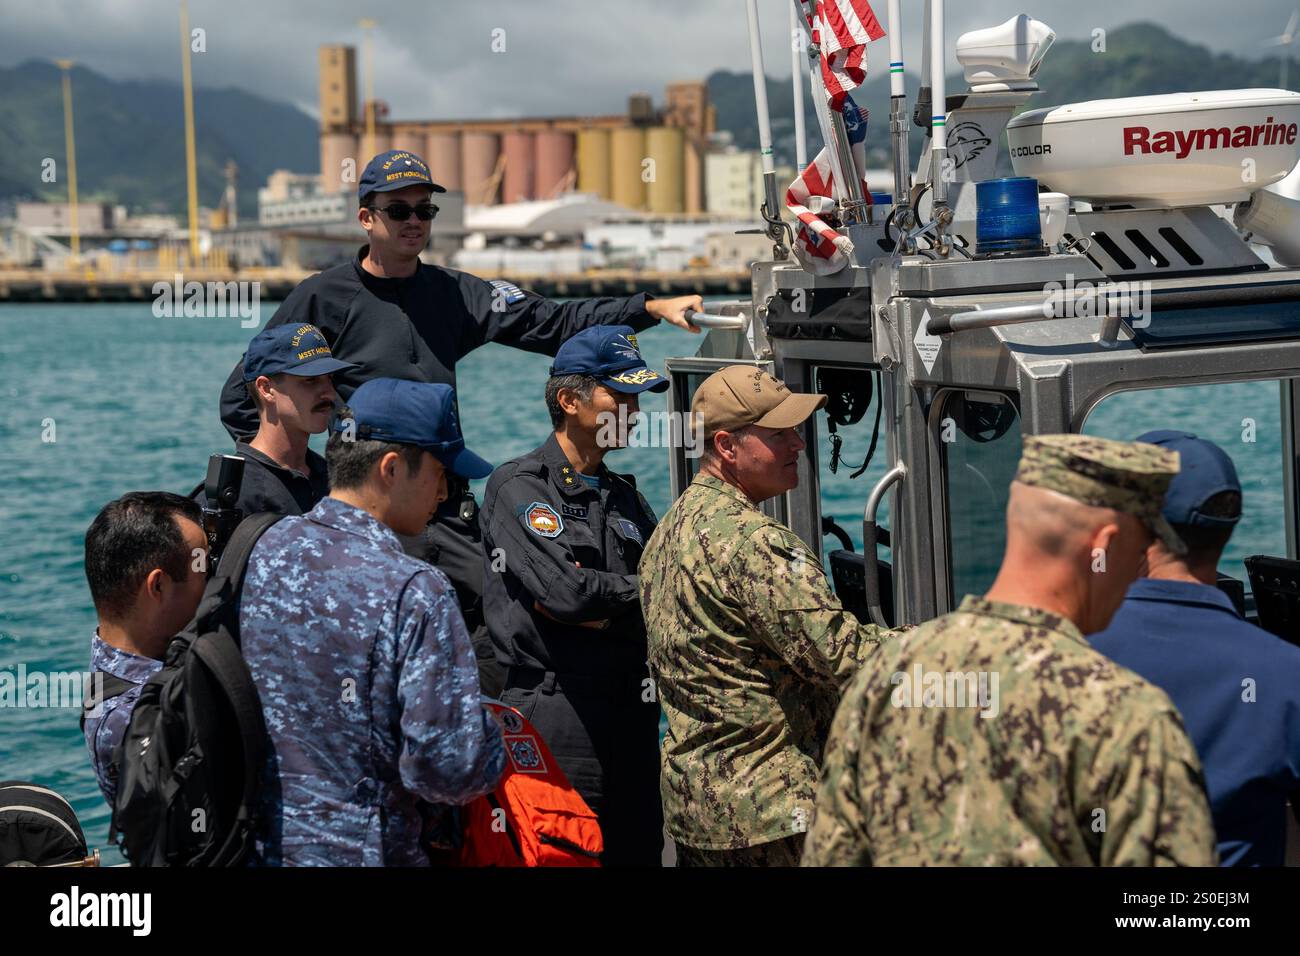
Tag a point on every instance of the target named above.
point(287, 369)
point(394, 316)
point(748, 645)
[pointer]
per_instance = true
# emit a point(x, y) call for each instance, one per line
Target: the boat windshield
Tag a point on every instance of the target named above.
point(1242, 418)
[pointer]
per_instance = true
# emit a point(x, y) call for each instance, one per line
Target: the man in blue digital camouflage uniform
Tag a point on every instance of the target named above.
point(391, 315)
point(360, 655)
point(562, 536)
point(145, 559)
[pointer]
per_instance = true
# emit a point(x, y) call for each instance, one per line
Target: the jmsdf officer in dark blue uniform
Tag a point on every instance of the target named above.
point(562, 536)
point(392, 316)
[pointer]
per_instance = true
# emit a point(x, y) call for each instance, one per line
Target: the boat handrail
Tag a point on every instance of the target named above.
point(706, 320)
point(870, 534)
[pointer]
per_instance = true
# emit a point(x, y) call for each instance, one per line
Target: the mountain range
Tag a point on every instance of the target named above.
point(131, 150)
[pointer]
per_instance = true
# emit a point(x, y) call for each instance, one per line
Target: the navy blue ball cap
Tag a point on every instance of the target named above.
point(608, 353)
point(395, 169)
point(1204, 471)
point(413, 413)
point(290, 350)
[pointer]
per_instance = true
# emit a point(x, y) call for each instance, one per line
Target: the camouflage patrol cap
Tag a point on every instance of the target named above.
point(1125, 476)
point(741, 395)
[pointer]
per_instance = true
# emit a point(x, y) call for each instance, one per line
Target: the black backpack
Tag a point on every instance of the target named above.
point(191, 762)
point(38, 828)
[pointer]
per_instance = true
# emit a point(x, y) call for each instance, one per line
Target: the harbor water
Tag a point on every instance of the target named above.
point(102, 399)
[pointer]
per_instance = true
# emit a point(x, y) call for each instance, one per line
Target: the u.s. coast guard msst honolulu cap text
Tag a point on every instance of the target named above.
point(395, 169)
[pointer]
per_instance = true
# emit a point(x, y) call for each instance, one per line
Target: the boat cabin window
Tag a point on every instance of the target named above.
point(849, 434)
point(1242, 418)
point(978, 436)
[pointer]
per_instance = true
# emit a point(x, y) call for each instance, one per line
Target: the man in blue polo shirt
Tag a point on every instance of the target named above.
point(1237, 686)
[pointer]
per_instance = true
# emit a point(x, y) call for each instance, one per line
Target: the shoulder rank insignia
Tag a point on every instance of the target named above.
point(544, 520)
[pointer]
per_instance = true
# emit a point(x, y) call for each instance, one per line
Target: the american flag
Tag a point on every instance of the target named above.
point(818, 246)
point(842, 28)
point(820, 249)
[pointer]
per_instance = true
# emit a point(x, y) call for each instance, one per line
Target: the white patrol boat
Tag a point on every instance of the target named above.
point(1162, 254)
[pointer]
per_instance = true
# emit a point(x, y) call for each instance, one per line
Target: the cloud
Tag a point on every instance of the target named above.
point(434, 60)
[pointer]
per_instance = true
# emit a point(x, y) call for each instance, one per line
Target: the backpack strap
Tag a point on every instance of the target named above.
point(113, 686)
point(220, 605)
point(227, 664)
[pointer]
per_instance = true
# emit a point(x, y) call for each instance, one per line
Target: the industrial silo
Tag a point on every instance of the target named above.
point(335, 150)
point(626, 155)
point(694, 158)
point(554, 162)
point(383, 142)
point(442, 153)
point(409, 138)
point(593, 162)
point(518, 148)
point(478, 162)
point(665, 192)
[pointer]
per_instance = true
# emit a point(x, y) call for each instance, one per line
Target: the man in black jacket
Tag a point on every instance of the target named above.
point(562, 536)
point(392, 316)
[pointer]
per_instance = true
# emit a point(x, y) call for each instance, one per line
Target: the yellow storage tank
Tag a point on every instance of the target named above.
point(593, 162)
point(666, 190)
point(626, 155)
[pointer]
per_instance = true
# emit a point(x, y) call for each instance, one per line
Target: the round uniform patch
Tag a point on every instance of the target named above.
point(544, 520)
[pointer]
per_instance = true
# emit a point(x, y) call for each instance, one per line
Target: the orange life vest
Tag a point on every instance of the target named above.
point(534, 817)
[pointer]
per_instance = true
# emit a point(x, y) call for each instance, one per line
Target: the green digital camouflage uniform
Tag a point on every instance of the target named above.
point(749, 649)
point(1078, 761)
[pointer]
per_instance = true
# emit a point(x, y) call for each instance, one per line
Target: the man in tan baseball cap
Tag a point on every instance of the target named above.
point(748, 645)
point(751, 437)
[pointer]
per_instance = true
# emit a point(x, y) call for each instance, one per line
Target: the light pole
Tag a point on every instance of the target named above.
point(190, 171)
point(70, 146)
point(367, 51)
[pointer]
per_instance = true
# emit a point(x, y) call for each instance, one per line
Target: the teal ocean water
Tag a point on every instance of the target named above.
point(130, 403)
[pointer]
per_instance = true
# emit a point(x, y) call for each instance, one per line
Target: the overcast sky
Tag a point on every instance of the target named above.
point(434, 58)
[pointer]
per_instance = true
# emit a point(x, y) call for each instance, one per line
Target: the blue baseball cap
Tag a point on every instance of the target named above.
point(1204, 471)
point(413, 413)
point(290, 350)
point(395, 169)
point(610, 354)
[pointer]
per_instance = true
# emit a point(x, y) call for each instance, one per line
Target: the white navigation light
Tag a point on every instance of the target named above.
point(1175, 149)
point(1004, 57)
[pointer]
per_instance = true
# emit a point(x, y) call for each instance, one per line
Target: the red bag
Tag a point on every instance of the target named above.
point(534, 817)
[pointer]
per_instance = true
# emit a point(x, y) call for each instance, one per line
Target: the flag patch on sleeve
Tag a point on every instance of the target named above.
point(510, 292)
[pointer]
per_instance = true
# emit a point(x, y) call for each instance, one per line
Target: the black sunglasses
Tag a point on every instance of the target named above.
point(400, 211)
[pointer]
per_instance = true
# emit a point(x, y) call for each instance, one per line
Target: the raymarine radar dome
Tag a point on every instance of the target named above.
point(1174, 149)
